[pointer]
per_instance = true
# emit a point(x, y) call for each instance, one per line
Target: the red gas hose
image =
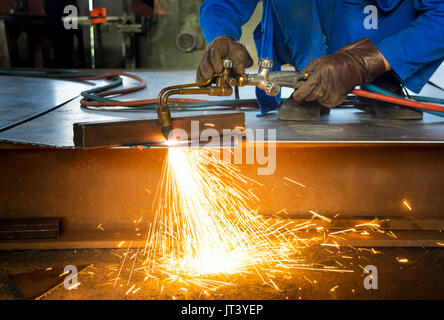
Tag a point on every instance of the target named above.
point(133, 103)
point(395, 100)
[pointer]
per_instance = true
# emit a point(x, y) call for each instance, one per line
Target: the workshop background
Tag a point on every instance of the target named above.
point(155, 34)
point(148, 34)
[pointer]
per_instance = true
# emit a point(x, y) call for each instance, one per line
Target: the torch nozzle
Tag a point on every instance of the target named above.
point(164, 118)
point(166, 131)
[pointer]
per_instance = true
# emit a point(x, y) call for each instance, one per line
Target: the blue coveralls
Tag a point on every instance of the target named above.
point(410, 33)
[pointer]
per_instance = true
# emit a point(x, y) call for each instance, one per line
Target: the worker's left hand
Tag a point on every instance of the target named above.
point(334, 76)
point(220, 48)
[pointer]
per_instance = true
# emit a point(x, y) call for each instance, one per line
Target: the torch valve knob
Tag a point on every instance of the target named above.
point(265, 63)
point(227, 63)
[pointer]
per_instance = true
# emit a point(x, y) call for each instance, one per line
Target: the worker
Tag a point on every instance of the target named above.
point(340, 43)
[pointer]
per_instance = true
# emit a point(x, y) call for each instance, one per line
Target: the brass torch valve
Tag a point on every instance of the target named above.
point(270, 82)
point(222, 85)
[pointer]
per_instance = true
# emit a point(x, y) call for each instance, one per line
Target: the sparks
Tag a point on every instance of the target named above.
point(204, 224)
point(295, 182)
point(343, 231)
point(334, 288)
point(407, 205)
point(74, 286)
point(204, 230)
point(319, 216)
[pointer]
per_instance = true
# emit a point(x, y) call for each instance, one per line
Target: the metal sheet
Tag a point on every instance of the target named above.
point(56, 127)
point(23, 98)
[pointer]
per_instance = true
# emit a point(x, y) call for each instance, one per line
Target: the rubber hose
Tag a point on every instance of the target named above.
point(376, 89)
point(395, 100)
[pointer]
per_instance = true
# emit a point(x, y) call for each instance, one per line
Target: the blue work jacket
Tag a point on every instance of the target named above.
point(409, 33)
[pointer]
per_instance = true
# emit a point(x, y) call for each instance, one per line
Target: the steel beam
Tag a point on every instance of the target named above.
point(114, 187)
point(137, 132)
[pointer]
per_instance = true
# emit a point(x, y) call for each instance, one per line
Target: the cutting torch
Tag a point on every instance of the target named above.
point(222, 85)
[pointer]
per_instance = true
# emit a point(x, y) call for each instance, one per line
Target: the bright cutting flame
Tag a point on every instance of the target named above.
point(204, 223)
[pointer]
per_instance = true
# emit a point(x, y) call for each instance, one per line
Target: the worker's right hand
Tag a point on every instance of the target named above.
point(223, 48)
point(333, 77)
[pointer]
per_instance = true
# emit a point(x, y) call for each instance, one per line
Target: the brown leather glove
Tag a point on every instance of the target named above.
point(219, 49)
point(334, 76)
